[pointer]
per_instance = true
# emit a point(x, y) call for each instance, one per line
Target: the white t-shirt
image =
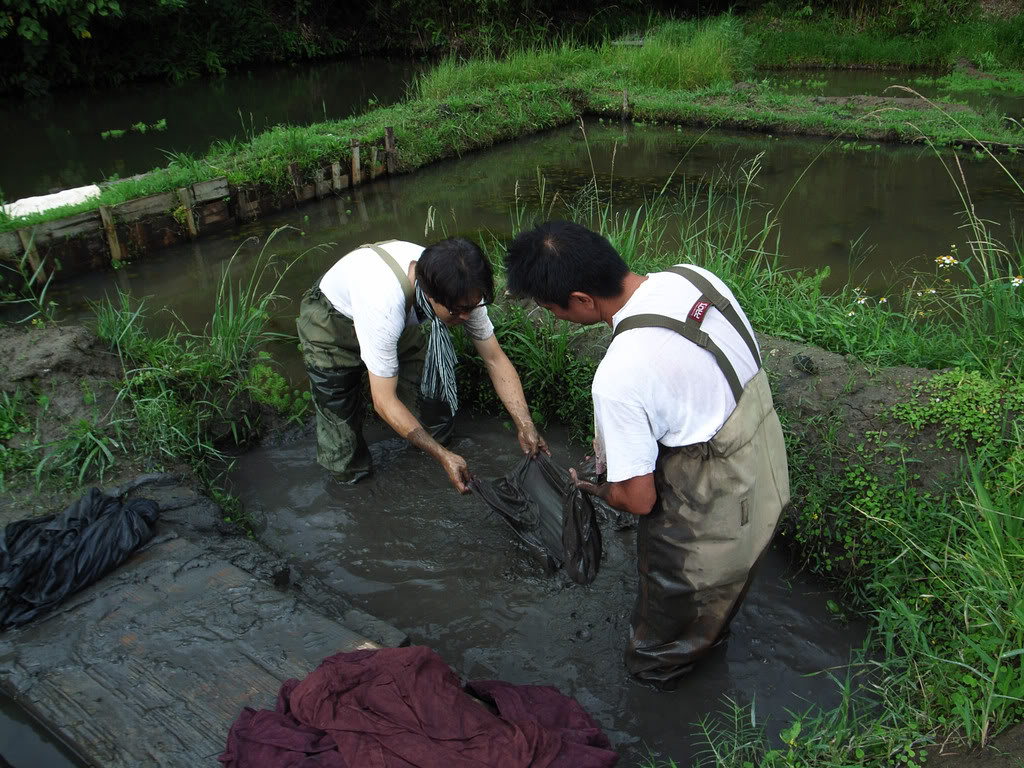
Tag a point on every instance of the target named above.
point(654, 386)
point(363, 287)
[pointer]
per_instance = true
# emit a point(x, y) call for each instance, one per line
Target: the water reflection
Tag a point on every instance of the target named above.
point(59, 137)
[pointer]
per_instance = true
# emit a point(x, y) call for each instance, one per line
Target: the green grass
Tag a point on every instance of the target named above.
point(833, 42)
point(683, 74)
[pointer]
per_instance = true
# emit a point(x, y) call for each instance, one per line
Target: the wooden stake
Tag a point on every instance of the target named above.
point(29, 244)
point(185, 197)
point(111, 231)
point(318, 183)
point(373, 163)
point(625, 103)
point(336, 177)
point(357, 176)
point(391, 154)
point(296, 174)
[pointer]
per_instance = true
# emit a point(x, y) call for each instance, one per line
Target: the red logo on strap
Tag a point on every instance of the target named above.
point(699, 310)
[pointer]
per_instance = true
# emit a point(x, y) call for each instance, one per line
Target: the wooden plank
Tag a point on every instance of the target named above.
point(85, 223)
point(357, 177)
point(28, 244)
point(10, 247)
point(185, 198)
point(204, 191)
point(142, 207)
point(171, 656)
point(111, 232)
point(214, 213)
point(248, 205)
point(391, 154)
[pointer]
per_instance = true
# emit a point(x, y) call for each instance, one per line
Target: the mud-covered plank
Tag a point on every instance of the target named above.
point(152, 665)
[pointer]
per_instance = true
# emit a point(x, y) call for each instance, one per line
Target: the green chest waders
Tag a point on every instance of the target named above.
point(717, 509)
point(330, 350)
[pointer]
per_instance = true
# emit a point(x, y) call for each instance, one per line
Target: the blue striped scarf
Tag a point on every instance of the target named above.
point(438, 381)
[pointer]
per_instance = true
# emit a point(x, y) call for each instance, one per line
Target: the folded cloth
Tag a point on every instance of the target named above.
point(405, 708)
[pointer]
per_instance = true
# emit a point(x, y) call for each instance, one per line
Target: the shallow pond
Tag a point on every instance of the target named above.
point(60, 144)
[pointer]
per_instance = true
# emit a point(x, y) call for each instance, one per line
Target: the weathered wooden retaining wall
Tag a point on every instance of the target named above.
point(103, 238)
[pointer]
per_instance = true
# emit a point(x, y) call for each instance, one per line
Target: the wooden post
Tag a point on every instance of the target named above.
point(357, 176)
point(111, 231)
point(296, 174)
point(391, 156)
point(336, 177)
point(373, 163)
point(318, 183)
point(185, 197)
point(28, 242)
point(625, 104)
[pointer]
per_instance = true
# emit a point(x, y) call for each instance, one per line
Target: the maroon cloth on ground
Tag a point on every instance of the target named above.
point(405, 708)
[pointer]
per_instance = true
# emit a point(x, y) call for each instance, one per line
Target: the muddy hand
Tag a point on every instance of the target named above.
point(458, 471)
point(591, 488)
point(531, 442)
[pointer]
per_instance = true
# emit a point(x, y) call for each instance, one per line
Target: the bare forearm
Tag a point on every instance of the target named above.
point(509, 389)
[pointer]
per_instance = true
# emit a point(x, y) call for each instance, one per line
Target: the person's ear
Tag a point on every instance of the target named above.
point(581, 300)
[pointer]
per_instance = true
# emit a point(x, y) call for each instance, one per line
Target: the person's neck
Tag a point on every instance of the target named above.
point(608, 307)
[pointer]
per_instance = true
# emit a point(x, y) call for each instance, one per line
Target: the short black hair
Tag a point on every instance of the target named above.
point(454, 271)
point(556, 258)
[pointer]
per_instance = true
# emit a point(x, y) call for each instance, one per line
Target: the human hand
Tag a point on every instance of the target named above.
point(601, 491)
point(458, 471)
point(531, 442)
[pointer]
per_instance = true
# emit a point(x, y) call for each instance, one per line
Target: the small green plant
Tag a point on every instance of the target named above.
point(269, 387)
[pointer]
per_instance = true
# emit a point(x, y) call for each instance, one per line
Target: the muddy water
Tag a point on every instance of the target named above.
point(407, 548)
point(60, 142)
point(25, 744)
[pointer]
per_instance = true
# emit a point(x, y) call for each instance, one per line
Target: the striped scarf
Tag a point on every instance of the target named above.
point(438, 381)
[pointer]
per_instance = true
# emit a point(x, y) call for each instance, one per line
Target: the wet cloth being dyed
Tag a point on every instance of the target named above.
point(556, 520)
point(405, 708)
point(44, 560)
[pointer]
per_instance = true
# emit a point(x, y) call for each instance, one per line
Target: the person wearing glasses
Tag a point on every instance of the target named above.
point(365, 314)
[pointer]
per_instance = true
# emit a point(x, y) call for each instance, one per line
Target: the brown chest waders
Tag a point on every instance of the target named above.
point(718, 507)
point(330, 350)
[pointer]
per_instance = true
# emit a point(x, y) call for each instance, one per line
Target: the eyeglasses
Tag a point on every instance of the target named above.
point(465, 310)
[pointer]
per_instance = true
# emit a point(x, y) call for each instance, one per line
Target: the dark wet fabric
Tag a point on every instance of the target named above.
point(405, 708)
point(556, 520)
point(44, 560)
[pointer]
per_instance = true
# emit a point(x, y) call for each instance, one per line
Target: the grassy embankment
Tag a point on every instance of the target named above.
point(685, 73)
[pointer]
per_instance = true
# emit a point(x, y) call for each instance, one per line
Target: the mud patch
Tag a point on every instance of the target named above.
point(861, 104)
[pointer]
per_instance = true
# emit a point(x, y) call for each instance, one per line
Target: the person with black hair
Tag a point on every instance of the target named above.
point(364, 315)
point(684, 427)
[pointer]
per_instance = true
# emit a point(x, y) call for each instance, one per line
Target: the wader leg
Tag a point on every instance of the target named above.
point(717, 510)
point(331, 353)
point(435, 415)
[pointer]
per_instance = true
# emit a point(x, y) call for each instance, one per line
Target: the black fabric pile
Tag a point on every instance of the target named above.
point(44, 560)
point(555, 519)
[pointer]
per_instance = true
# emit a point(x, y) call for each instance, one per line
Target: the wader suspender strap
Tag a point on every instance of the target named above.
point(691, 328)
point(403, 277)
